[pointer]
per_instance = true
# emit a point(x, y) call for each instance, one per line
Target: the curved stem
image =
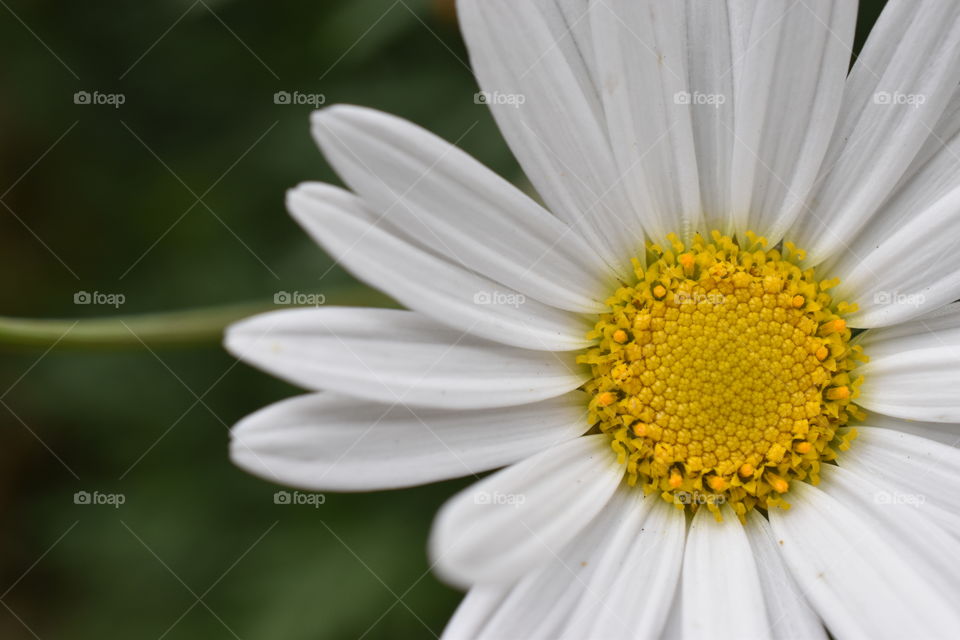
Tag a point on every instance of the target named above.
point(168, 328)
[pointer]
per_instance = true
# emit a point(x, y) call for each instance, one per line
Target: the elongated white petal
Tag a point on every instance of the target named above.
point(522, 516)
point(907, 273)
point(721, 590)
point(647, 549)
point(540, 605)
point(569, 21)
point(897, 92)
point(424, 282)
point(673, 630)
point(920, 384)
point(940, 327)
point(855, 577)
point(533, 61)
point(932, 169)
point(641, 57)
point(590, 589)
point(943, 432)
point(914, 367)
point(451, 203)
point(474, 612)
point(788, 611)
point(915, 468)
point(932, 176)
point(790, 80)
point(716, 35)
point(898, 517)
point(398, 356)
point(331, 442)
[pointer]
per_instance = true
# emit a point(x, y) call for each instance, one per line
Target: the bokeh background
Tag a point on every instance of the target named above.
point(174, 200)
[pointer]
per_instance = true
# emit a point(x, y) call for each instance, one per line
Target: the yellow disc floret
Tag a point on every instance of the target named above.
point(722, 375)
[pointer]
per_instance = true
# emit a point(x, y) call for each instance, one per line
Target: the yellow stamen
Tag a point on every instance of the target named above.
point(838, 393)
point(777, 483)
point(675, 479)
point(606, 398)
point(834, 326)
point(717, 483)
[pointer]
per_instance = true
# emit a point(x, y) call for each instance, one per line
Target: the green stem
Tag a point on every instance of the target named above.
point(170, 328)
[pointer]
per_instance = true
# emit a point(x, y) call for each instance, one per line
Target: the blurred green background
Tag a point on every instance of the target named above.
point(104, 199)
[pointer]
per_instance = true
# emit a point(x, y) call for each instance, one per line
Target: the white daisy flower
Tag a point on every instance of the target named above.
point(699, 441)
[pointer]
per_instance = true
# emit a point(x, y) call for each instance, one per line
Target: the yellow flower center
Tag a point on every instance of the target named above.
point(723, 374)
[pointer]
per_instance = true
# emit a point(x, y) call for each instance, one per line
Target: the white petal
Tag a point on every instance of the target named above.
point(895, 95)
point(911, 466)
point(640, 47)
point(506, 524)
point(325, 441)
point(541, 603)
point(424, 282)
point(910, 271)
point(474, 611)
point(898, 517)
point(673, 630)
point(932, 175)
point(853, 576)
point(649, 548)
point(459, 208)
point(790, 616)
point(943, 432)
point(537, 53)
point(590, 589)
point(570, 21)
point(938, 327)
point(935, 165)
point(393, 356)
point(721, 589)
point(716, 34)
point(920, 384)
point(913, 368)
point(790, 81)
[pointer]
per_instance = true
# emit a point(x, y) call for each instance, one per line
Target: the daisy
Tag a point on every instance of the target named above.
point(720, 366)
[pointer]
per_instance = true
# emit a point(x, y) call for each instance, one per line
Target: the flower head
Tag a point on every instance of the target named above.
point(720, 366)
